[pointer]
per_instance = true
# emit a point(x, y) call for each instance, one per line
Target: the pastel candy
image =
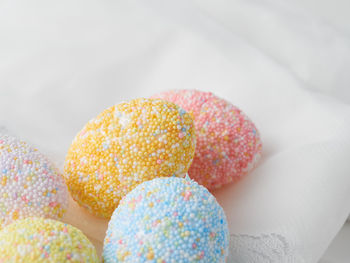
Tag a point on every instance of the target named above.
point(228, 143)
point(29, 184)
point(167, 220)
point(36, 240)
point(125, 145)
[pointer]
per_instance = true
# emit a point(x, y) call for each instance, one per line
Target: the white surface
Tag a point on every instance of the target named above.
point(64, 62)
point(339, 249)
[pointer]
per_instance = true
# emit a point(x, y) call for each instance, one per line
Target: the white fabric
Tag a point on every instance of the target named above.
point(338, 251)
point(63, 62)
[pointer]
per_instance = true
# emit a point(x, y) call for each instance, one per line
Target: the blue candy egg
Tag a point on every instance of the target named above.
point(167, 220)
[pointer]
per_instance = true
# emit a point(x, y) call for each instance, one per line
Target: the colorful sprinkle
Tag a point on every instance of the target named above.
point(172, 230)
point(143, 143)
point(29, 183)
point(228, 143)
point(42, 240)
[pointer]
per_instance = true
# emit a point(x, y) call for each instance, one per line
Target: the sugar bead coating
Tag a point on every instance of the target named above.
point(125, 145)
point(167, 220)
point(29, 184)
point(36, 240)
point(228, 143)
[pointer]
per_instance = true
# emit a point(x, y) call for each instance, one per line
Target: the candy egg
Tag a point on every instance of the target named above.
point(167, 220)
point(35, 240)
point(29, 184)
point(228, 143)
point(125, 145)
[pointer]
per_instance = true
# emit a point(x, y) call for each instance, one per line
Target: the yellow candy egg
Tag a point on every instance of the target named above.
point(125, 145)
point(39, 240)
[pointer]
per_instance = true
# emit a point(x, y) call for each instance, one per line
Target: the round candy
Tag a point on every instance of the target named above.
point(228, 143)
point(125, 145)
point(167, 220)
point(29, 184)
point(35, 240)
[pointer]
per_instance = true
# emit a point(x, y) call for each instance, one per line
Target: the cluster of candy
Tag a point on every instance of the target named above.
point(130, 164)
point(33, 195)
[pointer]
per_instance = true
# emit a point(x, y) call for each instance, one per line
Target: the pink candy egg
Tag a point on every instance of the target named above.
point(228, 143)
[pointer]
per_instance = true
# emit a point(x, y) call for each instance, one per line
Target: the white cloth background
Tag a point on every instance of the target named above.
point(284, 63)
